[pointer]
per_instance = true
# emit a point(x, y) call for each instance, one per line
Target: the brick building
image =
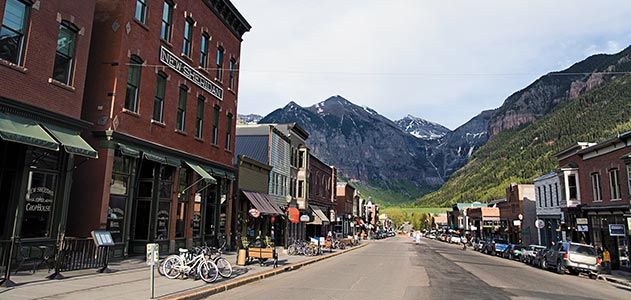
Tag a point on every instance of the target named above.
point(43, 58)
point(347, 208)
point(161, 92)
point(518, 213)
point(322, 200)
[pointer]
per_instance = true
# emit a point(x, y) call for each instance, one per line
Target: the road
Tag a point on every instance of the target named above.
point(398, 269)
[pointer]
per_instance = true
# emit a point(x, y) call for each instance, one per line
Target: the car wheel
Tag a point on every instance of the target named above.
point(544, 265)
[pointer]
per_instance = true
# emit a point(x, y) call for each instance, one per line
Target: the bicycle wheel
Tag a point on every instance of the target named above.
point(208, 271)
point(292, 250)
point(171, 267)
point(224, 267)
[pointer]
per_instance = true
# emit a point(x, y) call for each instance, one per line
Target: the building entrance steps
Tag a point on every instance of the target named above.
point(130, 280)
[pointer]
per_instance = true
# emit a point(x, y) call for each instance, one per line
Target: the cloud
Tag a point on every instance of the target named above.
point(443, 60)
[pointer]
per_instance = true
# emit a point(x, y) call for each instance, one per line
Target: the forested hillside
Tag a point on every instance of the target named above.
point(524, 153)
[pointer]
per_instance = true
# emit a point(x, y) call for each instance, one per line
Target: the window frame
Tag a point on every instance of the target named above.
point(22, 33)
point(144, 9)
point(596, 187)
point(134, 62)
point(199, 119)
point(231, 74)
point(166, 26)
point(575, 186)
point(187, 40)
point(229, 119)
point(161, 77)
point(71, 59)
point(614, 185)
point(219, 63)
point(215, 131)
point(182, 99)
point(203, 49)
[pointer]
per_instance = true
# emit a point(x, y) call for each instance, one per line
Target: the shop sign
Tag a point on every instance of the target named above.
point(516, 222)
point(581, 221)
point(540, 223)
point(254, 213)
point(305, 218)
point(582, 228)
point(294, 215)
point(39, 199)
point(616, 229)
point(175, 63)
point(163, 223)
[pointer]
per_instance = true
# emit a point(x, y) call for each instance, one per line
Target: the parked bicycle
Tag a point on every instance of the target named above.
point(299, 247)
point(191, 263)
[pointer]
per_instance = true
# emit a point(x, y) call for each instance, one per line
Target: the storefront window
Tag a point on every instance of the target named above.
point(197, 216)
point(38, 208)
point(119, 189)
point(162, 220)
point(164, 203)
point(180, 222)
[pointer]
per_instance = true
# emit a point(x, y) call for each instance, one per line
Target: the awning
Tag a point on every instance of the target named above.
point(25, 131)
point(319, 218)
point(71, 140)
point(162, 159)
point(199, 170)
point(129, 151)
point(263, 203)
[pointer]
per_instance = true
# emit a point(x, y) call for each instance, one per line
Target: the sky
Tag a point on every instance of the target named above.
point(444, 61)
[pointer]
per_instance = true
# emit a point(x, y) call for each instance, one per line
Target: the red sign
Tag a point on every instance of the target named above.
point(294, 215)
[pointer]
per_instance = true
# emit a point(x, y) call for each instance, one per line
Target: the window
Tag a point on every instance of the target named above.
point(629, 177)
point(203, 57)
point(181, 109)
point(231, 73)
point(199, 122)
point(228, 132)
point(219, 63)
point(158, 101)
point(119, 192)
point(301, 159)
point(551, 198)
point(614, 184)
point(301, 187)
point(188, 37)
point(133, 84)
point(182, 201)
point(64, 56)
point(556, 192)
point(596, 187)
point(167, 21)
point(539, 194)
point(141, 11)
point(216, 125)
point(572, 186)
point(13, 31)
point(545, 196)
point(40, 199)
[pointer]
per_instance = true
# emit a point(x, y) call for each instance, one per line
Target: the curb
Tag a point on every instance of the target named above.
point(614, 280)
point(203, 292)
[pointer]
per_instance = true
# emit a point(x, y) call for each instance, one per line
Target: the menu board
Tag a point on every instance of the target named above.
point(102, 238)
point(162, 219)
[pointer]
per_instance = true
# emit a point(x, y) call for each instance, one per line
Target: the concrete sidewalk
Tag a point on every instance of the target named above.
point(617, 277)
point(131, 281)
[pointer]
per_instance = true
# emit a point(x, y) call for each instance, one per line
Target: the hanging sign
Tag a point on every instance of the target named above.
point(254, 213)
point(294, 215)
point(305, 218)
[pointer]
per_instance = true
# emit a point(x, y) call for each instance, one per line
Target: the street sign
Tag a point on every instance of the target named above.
point(616, 229)
point(581, 221)
point(516, 222)
point(540, 223)
point(582, 228)
point(153, 253)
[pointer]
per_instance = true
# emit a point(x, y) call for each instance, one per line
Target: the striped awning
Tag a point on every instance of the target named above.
point(263, 203)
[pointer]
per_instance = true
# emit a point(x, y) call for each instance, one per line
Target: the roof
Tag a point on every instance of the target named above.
point(263, 203)
point(461, 206)
point(546, 176)
point(594, 147)
point(253, 146)
point(573, 149)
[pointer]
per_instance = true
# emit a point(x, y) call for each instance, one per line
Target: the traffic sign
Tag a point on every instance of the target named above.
point(153, 253)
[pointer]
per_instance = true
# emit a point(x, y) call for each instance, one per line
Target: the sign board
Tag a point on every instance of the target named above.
point(102, 238)
point(175, 63)
point(581, 221)
point(153, 253)
point(305, 218)
point(616, 229)
point(516, 222)
point(254, 213)
point(540, 223)
point(582, 228)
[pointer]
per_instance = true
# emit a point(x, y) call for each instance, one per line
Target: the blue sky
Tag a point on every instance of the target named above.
point(444, 61)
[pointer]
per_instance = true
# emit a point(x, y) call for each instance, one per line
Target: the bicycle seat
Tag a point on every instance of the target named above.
point(182, 250)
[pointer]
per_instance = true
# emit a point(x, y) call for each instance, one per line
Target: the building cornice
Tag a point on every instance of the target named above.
point(230, 16)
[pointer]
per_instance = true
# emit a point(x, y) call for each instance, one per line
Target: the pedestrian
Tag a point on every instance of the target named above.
point(606, 264)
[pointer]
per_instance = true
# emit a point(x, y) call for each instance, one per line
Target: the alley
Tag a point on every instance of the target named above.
point(398, 269)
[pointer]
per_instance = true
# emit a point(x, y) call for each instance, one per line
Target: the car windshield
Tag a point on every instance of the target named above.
point(583, 249)
point(501, 242)
point(518, 247)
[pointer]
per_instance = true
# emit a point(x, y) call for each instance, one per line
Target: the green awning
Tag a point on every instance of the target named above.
point(154, 157)
point(71, 140)
point(173, 162)
point(199, 170)
point(25, 131)
point(129, 151)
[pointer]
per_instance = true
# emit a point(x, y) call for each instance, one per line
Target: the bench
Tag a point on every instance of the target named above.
point(263, 254)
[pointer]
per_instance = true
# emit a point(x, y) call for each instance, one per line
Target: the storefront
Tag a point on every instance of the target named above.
point(551, 232)
point(37, 160)
point(260, 217)
point(609, 230)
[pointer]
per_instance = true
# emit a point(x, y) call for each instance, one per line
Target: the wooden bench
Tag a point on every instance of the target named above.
point(263, 254)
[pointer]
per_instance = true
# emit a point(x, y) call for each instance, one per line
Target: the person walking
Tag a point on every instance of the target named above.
point(606, 264)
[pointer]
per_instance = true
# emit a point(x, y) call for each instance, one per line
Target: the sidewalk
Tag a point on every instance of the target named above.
point(617, 277)
point(131, 281)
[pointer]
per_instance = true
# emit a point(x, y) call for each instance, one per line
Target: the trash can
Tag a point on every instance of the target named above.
point(241, 257)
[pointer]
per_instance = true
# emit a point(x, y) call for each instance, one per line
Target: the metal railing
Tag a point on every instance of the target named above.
point(81, 253)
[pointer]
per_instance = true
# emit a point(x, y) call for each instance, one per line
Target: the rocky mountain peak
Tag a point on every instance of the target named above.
point(422, 128)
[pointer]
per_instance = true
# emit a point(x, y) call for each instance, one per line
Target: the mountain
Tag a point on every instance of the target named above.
point(353, 139)
point(248, 119)
point(421, 128)
point(544, 94)
point(456, 147)
point(521, 154)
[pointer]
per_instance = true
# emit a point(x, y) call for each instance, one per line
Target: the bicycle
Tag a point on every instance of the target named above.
point(223, 265)
point(188, 263)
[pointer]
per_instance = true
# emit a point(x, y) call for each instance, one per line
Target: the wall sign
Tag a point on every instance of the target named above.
point(616, 229)
point(581, 221)
point(582, 228)
point(175, 63)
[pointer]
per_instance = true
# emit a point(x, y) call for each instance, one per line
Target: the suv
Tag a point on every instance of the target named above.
point(528, 254)
point(572, 257)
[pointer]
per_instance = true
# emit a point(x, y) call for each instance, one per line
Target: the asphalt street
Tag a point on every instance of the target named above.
point(396, 268)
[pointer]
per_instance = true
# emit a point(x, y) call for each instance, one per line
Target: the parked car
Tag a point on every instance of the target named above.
point(528, 253)
point(432, 236)
point(513, 251)
point(572, 258)
point(537, 259)
point(496, 246)
point(455, 239)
